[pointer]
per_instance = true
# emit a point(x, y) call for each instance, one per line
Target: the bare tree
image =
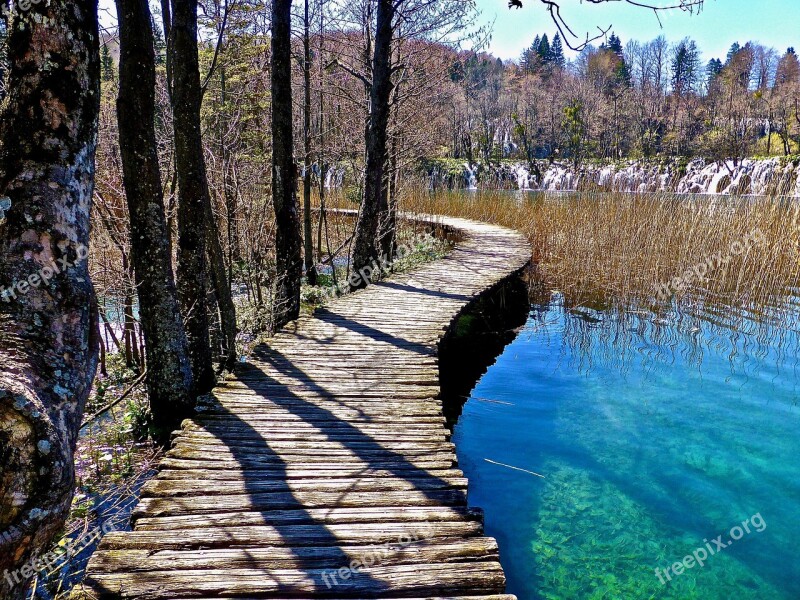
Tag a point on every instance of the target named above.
point(365, 251)
point(288, 239)
point(193, 198)
point(169, 374)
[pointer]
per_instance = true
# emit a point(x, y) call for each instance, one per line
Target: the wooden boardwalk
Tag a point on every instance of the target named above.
point(324, 469)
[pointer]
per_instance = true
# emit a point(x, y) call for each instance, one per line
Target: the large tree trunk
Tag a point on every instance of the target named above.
point(308, 233)
point(365, 250)
point(48, 340)
point(169, 373)
point(193, 197)
point(288, 240)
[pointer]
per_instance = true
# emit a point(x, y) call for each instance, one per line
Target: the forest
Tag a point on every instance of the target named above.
point(179, 181)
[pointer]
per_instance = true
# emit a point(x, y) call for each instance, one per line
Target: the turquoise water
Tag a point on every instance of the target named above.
point(653, 437)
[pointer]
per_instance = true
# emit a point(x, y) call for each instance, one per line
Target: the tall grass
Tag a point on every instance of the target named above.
point(615, 249)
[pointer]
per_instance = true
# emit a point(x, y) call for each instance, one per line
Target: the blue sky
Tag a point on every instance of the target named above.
point(722, 22)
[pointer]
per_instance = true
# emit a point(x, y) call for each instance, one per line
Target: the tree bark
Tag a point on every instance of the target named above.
point(365, 249)
point(222, 290)
point(193, 196)
point(169, 373)
point(288, 239)
point(48, 335)
point(308, 232)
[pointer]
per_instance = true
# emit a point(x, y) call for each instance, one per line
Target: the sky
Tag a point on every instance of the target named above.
point(721, 22)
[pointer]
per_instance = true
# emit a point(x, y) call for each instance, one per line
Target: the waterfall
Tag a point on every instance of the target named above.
point(748, 177)
point(523, 177)
point(470, 176)
point(334, 177)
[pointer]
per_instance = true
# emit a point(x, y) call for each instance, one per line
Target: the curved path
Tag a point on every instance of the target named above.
point(324, 469)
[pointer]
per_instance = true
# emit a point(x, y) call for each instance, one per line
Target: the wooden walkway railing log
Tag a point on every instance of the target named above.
point(325, 469)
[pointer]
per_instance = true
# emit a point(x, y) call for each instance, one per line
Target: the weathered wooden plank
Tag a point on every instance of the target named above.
point(325, 449)
point(373, 582)
point(328, 534)
point(298, 468)
point(182, 487)
point(302, 557)
point(364, 457)
point(236, 473)
point(388, 514)
point(161, 507)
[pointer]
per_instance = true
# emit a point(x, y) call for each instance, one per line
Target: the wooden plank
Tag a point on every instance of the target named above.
point(329, 447)
point(235, 473)
point(368, 514)
point(161, 507)
point(294, 535)
point(281, 557)
point(374, 582)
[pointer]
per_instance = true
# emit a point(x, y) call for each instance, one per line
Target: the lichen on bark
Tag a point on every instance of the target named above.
point(48, 350)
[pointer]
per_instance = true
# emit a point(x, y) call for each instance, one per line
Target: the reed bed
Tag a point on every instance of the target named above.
point(619, 250)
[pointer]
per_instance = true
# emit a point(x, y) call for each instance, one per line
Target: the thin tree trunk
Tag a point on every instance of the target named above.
point(365, 251)
point(131, 349)
point(388, 222)
point(308, 232)
point(288, 239)
point(222, 290)
point(193, 197)
point(48, 334)
point(169, 374)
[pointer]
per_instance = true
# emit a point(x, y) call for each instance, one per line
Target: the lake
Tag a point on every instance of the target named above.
point(603, 449)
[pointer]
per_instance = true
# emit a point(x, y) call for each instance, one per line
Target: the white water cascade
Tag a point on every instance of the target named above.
point(471, 176)
point(747, 177)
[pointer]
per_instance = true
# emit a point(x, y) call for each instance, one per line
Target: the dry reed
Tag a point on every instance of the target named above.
point(614, 249)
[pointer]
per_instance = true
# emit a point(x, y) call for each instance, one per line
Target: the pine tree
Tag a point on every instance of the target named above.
point(530, 58)
point(106, 63)
point(713, 69)
point(735, 48)
point(685, 66)
point(158, 41)
point(788, 71)
point(557, 52)
point(614, 45)
point(544, 49)
point(622, 72)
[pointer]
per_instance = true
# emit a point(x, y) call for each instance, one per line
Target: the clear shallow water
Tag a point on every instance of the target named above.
point(652, 437)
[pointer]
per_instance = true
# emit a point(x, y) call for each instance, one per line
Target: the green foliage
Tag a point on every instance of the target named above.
point(353, 194)
point(775, 144)
point(106, 64)
point(575, 128)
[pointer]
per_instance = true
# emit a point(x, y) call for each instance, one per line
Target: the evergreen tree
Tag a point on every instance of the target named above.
point(530, 58)
point(159, 42)
point(614, 45)
point(544, 49)
point(685, 66)
point(622, 72)
point(713, 69)
point(788, 71)
point(735, 48)
point(106, 63)
point(557, 52)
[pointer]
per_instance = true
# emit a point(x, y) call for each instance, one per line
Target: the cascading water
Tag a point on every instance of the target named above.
point(747, 177)
point(334, 177)
point(471, 176)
